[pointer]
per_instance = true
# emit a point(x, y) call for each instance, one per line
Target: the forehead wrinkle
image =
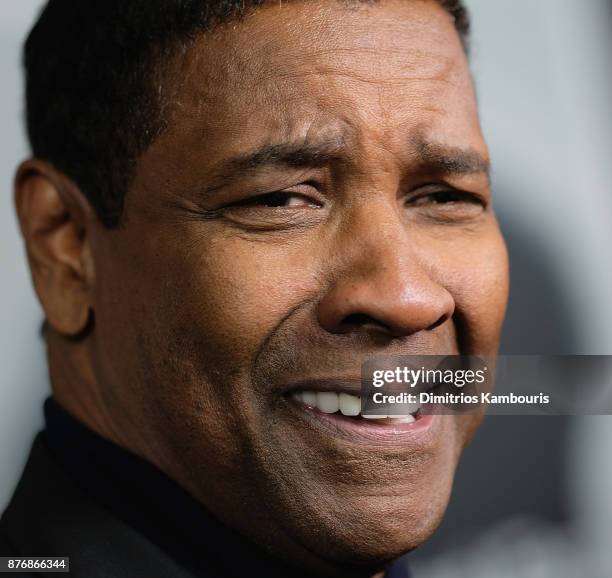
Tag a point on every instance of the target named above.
point(257, 63)
point(353, 75)
point(426, 67)
point(266, 60)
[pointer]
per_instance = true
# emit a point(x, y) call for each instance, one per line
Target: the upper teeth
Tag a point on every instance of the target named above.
point(349, 405)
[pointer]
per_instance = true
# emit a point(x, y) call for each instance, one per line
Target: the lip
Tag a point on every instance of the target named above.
point(351, 385)
point(419, 433)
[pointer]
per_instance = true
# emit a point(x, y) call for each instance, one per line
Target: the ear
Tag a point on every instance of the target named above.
point(54, 217)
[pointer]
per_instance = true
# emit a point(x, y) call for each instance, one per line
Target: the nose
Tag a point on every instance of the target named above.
point(383, 284)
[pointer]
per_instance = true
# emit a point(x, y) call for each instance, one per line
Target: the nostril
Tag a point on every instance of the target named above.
point(360, 320)
point(439, 322)
point(357, 319)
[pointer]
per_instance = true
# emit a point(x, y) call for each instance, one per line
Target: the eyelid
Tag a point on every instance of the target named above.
point(249, 214)
point(252, 199)
point(436, 189)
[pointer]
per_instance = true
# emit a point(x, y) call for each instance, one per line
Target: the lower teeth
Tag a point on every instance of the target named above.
point(396, 419)
point(388, 419)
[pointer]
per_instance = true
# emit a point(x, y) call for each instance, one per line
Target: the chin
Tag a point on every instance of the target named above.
point(372, 531)
point(378, 537)
point(358, 494)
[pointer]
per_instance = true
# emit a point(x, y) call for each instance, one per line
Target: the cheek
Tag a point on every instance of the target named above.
point(474, 269)
point(483, 298)
point(237, 292)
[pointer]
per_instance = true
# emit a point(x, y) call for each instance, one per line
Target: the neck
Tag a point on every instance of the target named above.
point(74, 384)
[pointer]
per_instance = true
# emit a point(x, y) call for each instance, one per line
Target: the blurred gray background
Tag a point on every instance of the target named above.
point(532, 496)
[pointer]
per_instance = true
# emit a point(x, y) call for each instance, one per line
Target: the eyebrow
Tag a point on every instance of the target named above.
point(451, 160)
point(429, 156)
point(289, 155)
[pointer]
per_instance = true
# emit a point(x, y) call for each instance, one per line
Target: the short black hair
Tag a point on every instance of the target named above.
point(92, 70)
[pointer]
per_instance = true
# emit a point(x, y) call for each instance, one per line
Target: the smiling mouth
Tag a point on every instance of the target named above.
point(349, 406)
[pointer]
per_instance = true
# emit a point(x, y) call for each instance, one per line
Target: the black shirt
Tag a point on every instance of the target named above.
point(142, 496)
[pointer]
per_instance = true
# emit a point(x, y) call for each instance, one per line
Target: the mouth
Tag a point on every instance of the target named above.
point(336, 406)
point(348, 405)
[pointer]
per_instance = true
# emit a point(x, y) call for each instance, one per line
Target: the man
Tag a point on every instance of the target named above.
point(230, 206)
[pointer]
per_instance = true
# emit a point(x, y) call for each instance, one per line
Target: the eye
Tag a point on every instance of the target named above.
point(447, 205)
point(448, 197)
point(278, 200)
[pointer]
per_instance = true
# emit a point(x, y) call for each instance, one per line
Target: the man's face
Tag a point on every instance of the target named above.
point(319, 195)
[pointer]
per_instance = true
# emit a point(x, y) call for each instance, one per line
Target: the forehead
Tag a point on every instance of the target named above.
point(374, 71)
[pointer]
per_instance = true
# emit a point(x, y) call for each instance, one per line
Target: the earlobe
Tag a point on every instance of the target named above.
point(54, 218)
